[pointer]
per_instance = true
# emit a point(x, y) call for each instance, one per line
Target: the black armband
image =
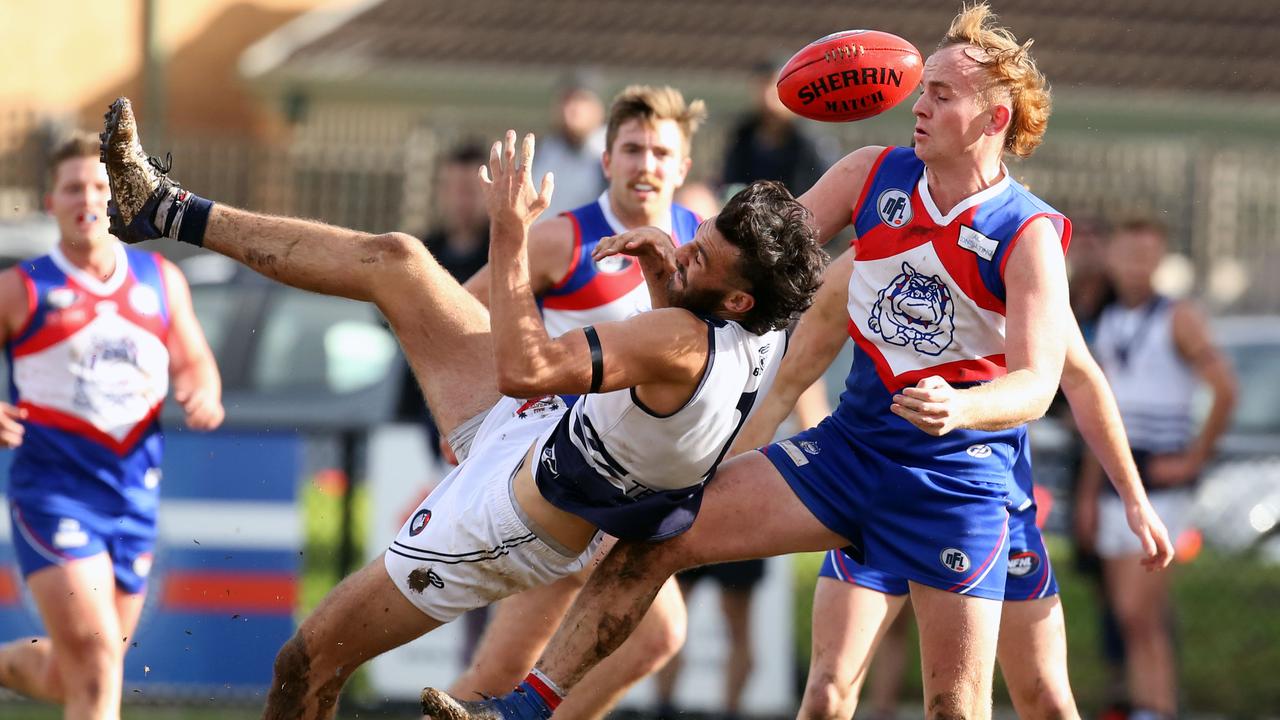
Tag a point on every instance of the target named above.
point(597, 358)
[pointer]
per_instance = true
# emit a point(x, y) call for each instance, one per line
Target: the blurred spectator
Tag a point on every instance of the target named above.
point(460, 242)
point(1153, 351)
point(1091, 291)
point(699, 198)
point(768, 144)
point(573, 148)
point(1087, 268)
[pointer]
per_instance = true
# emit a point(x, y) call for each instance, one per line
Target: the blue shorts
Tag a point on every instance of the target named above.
point(41, 540)
point(916, 523)
point(1030, 574)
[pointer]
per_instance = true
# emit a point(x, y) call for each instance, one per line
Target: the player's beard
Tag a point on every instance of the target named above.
point(699, 301)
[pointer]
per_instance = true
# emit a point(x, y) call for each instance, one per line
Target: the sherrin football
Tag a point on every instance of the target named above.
point(850, 75)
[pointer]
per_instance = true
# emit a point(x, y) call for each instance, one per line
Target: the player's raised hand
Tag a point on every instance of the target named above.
point(932, 405)
point(651, 245)
point(508, 183)
point(11, 427)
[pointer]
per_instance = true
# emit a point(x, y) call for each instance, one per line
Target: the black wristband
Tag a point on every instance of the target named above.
point(597, 358)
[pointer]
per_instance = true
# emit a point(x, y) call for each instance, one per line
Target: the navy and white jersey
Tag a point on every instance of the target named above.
point(597, 291)
point(91, 368)
point(1152, 382)
point(639, 475)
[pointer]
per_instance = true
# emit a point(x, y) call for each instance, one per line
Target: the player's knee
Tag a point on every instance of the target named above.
point(395, 249)
point(953, 706)
point(86, 670)
point(89, 654)
point(1047, 701)
point(647, 561)
point(662, 638)
point(827, 699)
point(1137, 626)
point(396, 258)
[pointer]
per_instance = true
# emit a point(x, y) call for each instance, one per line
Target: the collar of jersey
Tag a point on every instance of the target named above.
point(972, 201)
point(88, 282)
point(618, 227)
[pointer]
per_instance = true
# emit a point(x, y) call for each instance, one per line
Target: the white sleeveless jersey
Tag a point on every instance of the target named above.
point(613, 436)
point(1153, 385)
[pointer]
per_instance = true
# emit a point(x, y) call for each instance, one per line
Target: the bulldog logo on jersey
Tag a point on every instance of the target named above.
point(108, 375)
point(915, 310)
point(613, 264)
point(894, 207)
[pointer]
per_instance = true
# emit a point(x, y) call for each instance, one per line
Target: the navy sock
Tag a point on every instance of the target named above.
point(193, 219)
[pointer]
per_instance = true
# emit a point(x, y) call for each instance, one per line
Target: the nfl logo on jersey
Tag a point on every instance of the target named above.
point(895, 207)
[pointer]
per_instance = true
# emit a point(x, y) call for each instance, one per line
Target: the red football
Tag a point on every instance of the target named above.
point(850, 75)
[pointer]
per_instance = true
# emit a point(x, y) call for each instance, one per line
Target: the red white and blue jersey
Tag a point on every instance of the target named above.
point(91, 367)
point(927, 297)
point(592, 291)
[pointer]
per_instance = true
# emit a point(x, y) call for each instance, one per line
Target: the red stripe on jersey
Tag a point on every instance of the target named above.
point(866, 186)
point(214, 591)
point(956, 371)
point(68, 321)
point(32, 302)
point(602, 289)
point(883, 241)
point(69, 423)
point(574, 253)
point(961, 263)
point(1066, 236)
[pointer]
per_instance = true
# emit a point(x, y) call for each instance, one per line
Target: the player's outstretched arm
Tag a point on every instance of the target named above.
point(832, 198)
point(814, 344)
point(197, 385)
point(1098, 420)
point(653, 348)
point(550, 255)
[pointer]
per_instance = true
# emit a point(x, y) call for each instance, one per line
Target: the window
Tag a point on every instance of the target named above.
point(313, 341)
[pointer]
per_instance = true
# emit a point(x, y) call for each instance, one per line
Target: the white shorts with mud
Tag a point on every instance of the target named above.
point(468, 544)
